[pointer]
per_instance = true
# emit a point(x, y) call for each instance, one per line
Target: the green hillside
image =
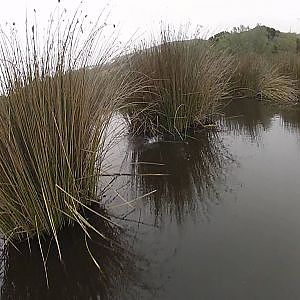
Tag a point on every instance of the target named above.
point(261, 39)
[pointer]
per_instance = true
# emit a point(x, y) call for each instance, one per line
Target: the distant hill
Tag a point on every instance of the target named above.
point(260, 39)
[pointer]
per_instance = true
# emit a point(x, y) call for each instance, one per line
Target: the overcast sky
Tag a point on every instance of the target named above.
point(143, 16)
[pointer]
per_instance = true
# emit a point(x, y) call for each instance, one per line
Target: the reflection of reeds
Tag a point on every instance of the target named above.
point(291, 119)
point(185, 78)
point(247, 117)
point(193, 169)
point(76, 276)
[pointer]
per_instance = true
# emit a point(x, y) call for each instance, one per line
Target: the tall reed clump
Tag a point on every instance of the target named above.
point(288, 65)
point(246, 77)
point(256, 76)
point(277, 87)
point(186, 79)
point(54, 115)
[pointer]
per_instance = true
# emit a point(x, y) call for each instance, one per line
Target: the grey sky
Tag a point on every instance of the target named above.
point(141, 15)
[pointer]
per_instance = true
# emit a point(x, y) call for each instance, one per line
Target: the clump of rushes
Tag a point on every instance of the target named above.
point(257, 77)
point(289, 65)
point(54, 115)
point(186, 79)
point(246, 77)
point(278, 88)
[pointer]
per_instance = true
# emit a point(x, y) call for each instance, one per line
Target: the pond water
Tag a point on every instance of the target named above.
point(215, 217)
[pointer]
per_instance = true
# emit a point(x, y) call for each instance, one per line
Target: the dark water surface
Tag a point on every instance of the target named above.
point(223, 224)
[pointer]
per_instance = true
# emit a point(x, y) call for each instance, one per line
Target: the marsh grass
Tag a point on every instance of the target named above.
point(58, 99)
point(185, 81)
point(258, 77)
point(289, 65)
point(279, 88)
point(246, 77)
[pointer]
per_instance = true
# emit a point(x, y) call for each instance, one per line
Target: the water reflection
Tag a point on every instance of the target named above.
point(291, 119)
point(77, 276)
point(248, 117)
point(193, 167)
point(250, 250)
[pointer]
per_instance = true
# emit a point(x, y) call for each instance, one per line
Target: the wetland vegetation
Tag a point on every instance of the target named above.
point(183, 96)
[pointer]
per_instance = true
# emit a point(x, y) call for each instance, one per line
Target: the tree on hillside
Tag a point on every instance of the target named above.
point(240, 29)
point(217, 36)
